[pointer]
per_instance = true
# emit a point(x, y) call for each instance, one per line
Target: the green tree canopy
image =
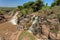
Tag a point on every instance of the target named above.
point(20, 7)
point(56, 2)
point(31, 6)
point(28, 4)
point(37, 5)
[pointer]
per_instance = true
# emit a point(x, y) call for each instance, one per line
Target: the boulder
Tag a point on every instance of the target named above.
point(45, 30)
point(58, 36)
point(43, 37)
point(52, 36)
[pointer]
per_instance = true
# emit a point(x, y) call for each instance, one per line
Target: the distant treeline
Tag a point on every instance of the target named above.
point(5, 10)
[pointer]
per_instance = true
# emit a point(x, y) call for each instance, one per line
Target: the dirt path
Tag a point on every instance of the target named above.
point(15, 35)
point(18, 35)
point(11, 28)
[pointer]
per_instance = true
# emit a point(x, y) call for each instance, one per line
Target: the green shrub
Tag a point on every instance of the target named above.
point(1, 12)
point(26, 11)
point(25, 33)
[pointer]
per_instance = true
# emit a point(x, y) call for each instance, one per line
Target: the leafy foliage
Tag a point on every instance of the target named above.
point(20, 7)
point(37, 5)
point(31, 7)
point(56, 2)
point(28, 4)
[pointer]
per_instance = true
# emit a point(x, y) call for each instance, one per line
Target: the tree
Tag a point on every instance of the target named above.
point(28, 4)
point(53, 4)
point(25, 8)
point(46, 4)
point(56, 2)
point(30, 7)
point(20, 7)
point(37, 5)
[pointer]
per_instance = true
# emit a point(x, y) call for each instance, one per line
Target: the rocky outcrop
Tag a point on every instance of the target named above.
point(41, 26)
point(2, 19)
point(53, 36)
point(45, 30)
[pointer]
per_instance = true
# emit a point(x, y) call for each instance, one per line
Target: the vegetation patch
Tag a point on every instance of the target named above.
point(25, 33)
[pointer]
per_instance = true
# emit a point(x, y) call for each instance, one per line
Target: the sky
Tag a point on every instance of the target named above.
point(15, 3)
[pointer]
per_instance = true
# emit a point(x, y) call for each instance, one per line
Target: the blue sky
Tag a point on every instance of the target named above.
point(15, 3)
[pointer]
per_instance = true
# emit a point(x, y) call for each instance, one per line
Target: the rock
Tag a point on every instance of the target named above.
point(58, 36)
point(0, 38)
point(44, 37)
point(52, 36)
point(53, 21)
point(45, 30)
point(2, 19)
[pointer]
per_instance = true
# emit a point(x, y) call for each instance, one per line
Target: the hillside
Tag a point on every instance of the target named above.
point(43, 24)
point(30, 21)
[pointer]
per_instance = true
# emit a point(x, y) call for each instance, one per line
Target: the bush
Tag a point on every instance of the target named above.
point(1, 12)
point(25, 33)
point(28, 4)
point(56, 2)
point(26, 11)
